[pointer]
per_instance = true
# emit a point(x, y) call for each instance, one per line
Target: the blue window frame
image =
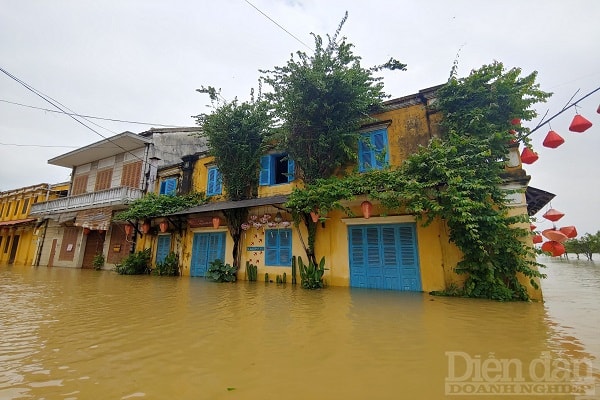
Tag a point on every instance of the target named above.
point(163, 247)
point(214, 185)
point(168, 186)
point(278, 247)
point(276, 169)
point(373, 150)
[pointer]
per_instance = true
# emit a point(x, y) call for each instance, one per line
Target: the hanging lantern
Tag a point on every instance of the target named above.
point(216, 221)
point(278, 218)
point(579, 124)
point(86, 231)
point(553, 140)
point(366, 208)
point(537, 239)
point(570, 231)
point(554, 248)
point(314, 216)
point(528, 156)
point(164, 225)
point(555, 235)
point(128, 229)
point(146, 227)
point(553, 215)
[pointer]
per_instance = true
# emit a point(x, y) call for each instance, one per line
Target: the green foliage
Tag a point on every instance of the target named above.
point(588, 244)
point(322, 99)
point(168, 267)
point(153, 205)
point(311, 275)
point(98, 261)
point(135, 264)
point(251, 271)
point(294, 270)
point(218, 271)
point(458, 179)
point(235, 134)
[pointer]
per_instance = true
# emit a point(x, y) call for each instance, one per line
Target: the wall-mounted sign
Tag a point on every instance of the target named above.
point(200, 222)
point(255, 248)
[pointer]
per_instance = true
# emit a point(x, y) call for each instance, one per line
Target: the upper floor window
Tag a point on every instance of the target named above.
point(214, 185)
point(79, 185)
point(25, 206)
point(373, 150)
point(103, 180)
point(276, 169)
point(131, 174)
point(168, 186)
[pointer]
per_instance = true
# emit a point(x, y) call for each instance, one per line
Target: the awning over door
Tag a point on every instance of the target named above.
point(95, 218)
point(8, 224)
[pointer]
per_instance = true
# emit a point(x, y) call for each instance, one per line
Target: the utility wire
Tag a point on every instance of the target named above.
point(281, 27)
point(90, 116)
point(53, 102)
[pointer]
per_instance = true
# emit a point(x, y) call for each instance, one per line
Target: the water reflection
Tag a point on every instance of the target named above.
point(84, 334)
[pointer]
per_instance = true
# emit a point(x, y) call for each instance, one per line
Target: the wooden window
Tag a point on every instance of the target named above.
point(25, 206)
point(79, 185)
point(276, 169)
point(373, 150)
point(103, 180)
point(214, 185)
point(278, 247)
point(131, 174)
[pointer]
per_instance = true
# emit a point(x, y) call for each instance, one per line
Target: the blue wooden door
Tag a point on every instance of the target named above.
point(384, 257)
point(163, 247)
point(206, 247)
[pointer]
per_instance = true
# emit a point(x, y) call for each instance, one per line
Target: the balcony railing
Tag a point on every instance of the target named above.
point(110, 197)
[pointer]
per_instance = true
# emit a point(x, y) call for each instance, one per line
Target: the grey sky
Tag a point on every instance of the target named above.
point(143, 60)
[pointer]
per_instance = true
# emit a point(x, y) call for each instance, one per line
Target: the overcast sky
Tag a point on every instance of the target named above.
point(142, 61)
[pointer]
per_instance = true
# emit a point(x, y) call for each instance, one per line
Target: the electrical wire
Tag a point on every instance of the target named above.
point(90, 116)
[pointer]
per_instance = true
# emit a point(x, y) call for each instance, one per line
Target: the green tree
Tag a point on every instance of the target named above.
point(321, 101)
point(235, 132)
point(153, 205)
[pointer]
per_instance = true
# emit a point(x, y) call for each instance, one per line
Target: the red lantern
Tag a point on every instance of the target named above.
point(579, 124)
point(366, 207)
point(528, 156)
point(163, 226)
point(553, 140)
point(555, 235)
point(314, 216)
point(86, 231)
point(537, 239)
point(553, 215)
point(146, 227)
point(216, 221)
point(128, 229)
point(570, 231)
point(554, 248)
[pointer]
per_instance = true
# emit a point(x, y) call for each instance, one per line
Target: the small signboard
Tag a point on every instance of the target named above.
point(255, 248)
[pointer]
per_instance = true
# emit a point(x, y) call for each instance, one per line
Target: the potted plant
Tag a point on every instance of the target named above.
point(98, 261)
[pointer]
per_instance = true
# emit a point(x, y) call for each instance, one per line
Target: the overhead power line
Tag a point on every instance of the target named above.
point(278, 25)
point(90, 116)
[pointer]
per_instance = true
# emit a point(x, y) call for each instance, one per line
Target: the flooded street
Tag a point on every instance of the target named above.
point(84, 334)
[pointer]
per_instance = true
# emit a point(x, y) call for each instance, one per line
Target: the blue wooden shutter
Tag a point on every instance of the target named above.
point(290, 170)
point(285, 247)
point(216, 247)
point(214, 182)
point(379, 144)
point(271, 253)
point(365, 161)
point(265, 170)
point(199, 260)
point(163, 246)
point(168, 186)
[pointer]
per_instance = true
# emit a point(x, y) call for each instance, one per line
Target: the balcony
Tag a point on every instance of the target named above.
point(118, 196)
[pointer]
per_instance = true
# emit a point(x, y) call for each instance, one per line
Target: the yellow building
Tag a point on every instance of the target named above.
point(18, 243)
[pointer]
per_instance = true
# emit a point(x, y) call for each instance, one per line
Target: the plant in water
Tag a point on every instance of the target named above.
point(251, 271)
point(218, 271)
point(311, 275)
point(135, 264)
point(168, 267)
point(98, 261)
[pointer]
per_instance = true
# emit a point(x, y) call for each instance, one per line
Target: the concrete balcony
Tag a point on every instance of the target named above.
point(119, 196)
